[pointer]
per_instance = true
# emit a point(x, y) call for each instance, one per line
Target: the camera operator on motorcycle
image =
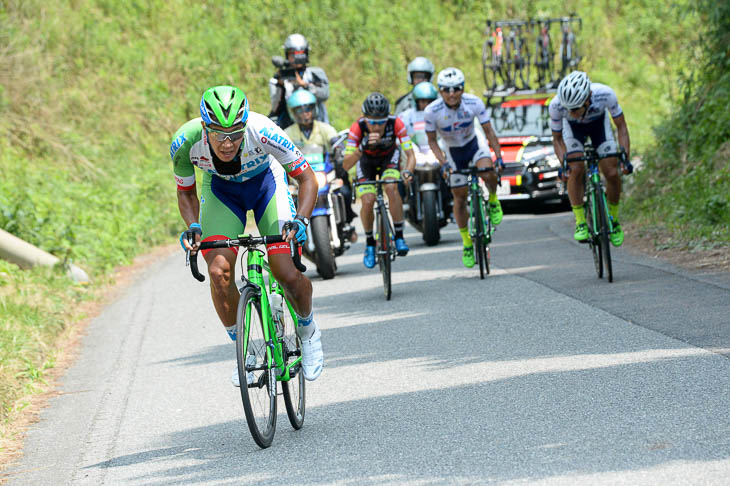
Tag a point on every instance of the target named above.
point(420, 69)
point(372, 145)
point(302, 106)
point(293, 73)
point(424, 93)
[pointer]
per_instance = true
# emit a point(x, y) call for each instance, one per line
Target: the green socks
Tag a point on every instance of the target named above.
point(465, 236)
point(580, 216)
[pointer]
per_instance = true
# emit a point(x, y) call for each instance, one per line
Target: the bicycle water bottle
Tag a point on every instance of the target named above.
point(277, 309)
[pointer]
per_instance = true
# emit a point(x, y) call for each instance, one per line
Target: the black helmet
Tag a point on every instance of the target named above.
point(376, 104)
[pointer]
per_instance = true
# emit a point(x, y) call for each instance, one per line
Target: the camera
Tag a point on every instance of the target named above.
point(286, 69)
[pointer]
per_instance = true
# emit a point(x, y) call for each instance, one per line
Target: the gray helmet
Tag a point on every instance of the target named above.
point(376, 105)
point(574, 90)
point(420, 64)
point(297, 43)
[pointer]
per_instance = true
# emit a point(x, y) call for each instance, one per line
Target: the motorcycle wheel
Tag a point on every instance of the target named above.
point(324, 255)
point(431, 234)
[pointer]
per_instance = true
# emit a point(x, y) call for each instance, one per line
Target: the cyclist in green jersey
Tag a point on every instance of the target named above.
point(245, 157)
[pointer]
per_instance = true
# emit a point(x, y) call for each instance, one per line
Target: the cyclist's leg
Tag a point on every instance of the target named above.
point(366, 170)
point(221, 217)
point(605, 143)
point(574, 140)
point(272, 210)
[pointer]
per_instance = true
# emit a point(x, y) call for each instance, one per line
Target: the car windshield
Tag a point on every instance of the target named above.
point(515, 119)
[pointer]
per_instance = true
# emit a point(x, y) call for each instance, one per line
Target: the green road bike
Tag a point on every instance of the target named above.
point(480, 225)
point(267, 347)
point(385, 251)
point(598, 219)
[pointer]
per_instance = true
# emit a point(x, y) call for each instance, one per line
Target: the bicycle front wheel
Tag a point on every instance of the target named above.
point(593, 241)
point(383, 250)
point(479, 247)
point(255, 373)
point(293, 390)
point(603, 236)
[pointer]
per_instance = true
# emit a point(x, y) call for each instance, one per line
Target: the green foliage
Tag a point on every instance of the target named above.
point(685, 182)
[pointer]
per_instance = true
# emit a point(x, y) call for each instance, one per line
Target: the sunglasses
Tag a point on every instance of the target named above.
point(303, 109)
point(220, 137)
point(376, 122)
point(452, 89)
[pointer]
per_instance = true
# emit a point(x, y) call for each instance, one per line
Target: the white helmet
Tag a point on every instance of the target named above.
point(574, 90)
point(420, 64)
point(296, 42)
point(450, 77)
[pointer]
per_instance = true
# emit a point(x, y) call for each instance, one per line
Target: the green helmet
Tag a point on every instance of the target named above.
point(224, 105)
point(425, 91)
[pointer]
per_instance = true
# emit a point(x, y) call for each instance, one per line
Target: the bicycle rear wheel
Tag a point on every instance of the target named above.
point(258, 383)
point(593, 241)
point(490, 76)
point(605, 243)
point(383, 250)
point(294, 389)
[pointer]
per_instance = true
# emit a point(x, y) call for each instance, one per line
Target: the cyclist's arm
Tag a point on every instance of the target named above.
point(623, 134)
point(189, 206)
point(307, 196)
point(493, 140)
point(559, 145)
point(434, 146)
point(352, 150)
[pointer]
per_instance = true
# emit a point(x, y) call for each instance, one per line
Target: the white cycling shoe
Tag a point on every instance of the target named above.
point(312, 356)
point(251, 361)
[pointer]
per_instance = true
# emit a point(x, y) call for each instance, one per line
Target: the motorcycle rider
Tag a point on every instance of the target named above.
point(423, 94)
point(302, 107)
point(420, 69)
point(294, 74)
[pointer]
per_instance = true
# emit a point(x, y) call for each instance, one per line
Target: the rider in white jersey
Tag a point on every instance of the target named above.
point(244, 157)
point(452, 117)
point(581, 110)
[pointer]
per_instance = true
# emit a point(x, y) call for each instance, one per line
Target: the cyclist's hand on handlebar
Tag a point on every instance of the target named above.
point(295, 230)
point(190, 238)
point(407, 176)
point(499, 165)
point(446, 171)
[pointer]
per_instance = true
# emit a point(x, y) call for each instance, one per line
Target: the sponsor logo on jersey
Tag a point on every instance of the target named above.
point(176, 144)
point(272, 138)
point(255, 162)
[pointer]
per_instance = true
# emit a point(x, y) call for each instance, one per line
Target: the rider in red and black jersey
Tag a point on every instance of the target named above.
point(372, 144)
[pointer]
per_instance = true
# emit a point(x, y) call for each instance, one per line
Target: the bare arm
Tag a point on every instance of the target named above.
point(433, 144)
point(492, 137)
point(307, 192)
point(623, 134)
point(559, 145)
point(189, 206)
point(351, 159)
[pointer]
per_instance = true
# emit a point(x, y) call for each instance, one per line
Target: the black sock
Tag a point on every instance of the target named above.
point(398, 227)
point(369, 240)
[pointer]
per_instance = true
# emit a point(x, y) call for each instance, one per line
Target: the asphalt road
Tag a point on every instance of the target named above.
point(539, 374)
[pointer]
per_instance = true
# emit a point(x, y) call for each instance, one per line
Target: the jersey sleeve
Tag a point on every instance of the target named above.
point(402, 133)
point(612, 103)
point(353, 138)
point(430, 119)
point(556, 115)
point(276, 143)
point(480, 111)
point(180, 146)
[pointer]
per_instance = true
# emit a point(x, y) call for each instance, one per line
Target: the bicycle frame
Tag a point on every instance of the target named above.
point(256, 266)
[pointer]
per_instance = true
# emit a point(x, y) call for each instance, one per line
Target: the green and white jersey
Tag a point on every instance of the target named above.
point(263, 143)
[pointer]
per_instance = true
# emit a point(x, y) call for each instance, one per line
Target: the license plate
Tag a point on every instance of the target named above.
point(504, 187)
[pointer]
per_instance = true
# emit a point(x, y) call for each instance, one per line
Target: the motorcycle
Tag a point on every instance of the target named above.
point(429, 207)
point(329, 233)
